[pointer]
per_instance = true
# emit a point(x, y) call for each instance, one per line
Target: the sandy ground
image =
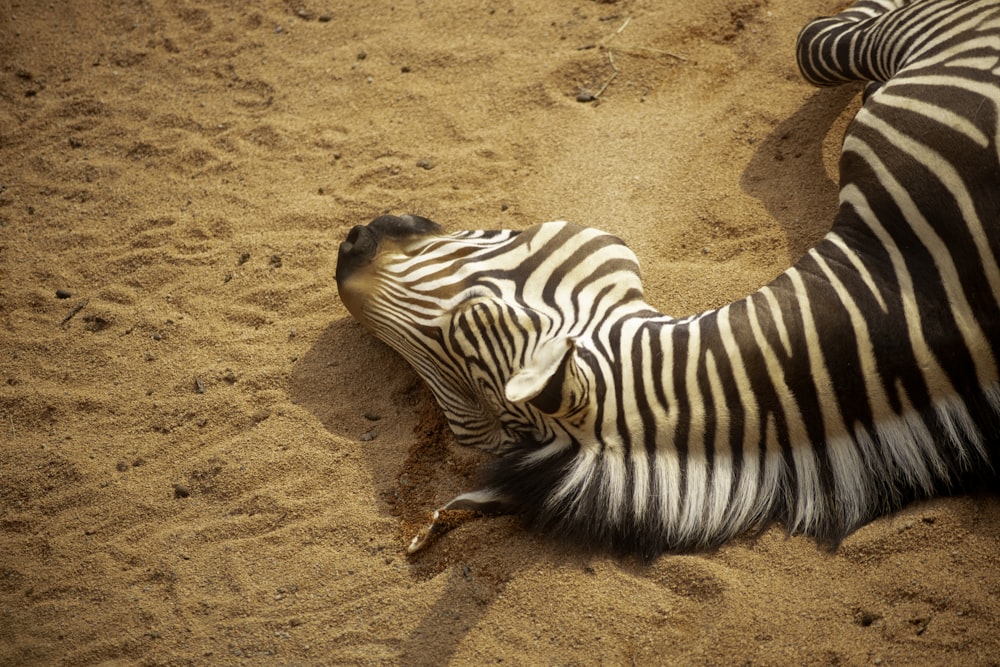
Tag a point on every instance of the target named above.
point(206, 461)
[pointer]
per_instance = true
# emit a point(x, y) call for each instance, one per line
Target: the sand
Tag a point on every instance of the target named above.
point(206, 461)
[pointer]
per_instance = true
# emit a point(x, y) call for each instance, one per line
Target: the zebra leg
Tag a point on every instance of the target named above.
point(460, 509)
point(848, 46)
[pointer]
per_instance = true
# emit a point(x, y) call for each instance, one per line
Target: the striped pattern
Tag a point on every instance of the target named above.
point(861, 378)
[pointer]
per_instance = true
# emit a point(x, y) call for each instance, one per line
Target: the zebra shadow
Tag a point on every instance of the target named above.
point(365, 393)
point(789, 172)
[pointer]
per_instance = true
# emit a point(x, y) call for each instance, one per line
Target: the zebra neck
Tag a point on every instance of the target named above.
point(796, 402)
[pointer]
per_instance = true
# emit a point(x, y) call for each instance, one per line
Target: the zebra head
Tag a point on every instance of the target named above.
point(482, 320)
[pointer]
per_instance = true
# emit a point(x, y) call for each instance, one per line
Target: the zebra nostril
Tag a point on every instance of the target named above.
point(352, 236)
point(356, 251)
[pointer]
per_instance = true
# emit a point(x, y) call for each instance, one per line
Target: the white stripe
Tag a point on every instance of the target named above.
point(722, 459)
point(745, 504)
point(937, 113)
point(693, 509)
point(961, 311)
point(667, 465)
point(938, 383)
point(809, 500)
point(778, 317)
point(862, 270)
point(850, 471)
point(641, 491)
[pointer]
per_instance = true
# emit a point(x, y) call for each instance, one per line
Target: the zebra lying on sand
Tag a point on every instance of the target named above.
point(861, 378)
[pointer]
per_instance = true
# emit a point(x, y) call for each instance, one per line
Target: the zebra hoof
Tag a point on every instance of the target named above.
point(441, 522)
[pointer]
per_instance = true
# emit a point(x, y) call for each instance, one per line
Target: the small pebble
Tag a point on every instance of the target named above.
point(585, 96)
point(63, 294)
point(372, 416)
point(368, 436)
point(425, 164)
point(181, 491)
point(199, 386)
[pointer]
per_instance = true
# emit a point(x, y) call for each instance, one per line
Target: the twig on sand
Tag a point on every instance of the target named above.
point(73, 311)
point(613, 75)
point(586, 96)
point(650, 50)
point(636, 49)
point(616, 32)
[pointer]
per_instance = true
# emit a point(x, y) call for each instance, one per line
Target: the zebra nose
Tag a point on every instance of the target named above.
point(362, 242)
point(356, 251)
point(403, 225)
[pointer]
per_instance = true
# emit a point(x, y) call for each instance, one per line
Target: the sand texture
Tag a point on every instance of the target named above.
point(206, 461)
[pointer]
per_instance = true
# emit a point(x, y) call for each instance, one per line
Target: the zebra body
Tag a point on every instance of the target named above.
point(862, 377)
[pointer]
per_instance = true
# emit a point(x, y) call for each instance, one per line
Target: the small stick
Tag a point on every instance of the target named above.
point(73, 311)
point(649, 49)
point(608, 82)
point(615, 33)
point(610, 49)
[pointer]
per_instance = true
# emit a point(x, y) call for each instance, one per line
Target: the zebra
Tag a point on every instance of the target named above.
point(863, 377)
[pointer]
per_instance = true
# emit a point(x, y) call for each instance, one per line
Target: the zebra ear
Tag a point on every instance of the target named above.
point(547, 377)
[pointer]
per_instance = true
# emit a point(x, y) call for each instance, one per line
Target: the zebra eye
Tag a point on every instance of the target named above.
point(473, 296)
point(462, 302)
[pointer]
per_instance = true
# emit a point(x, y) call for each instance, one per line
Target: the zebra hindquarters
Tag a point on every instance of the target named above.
point(854, 45)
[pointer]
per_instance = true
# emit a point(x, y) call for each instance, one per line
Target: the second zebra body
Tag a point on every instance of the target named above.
point(861, 378)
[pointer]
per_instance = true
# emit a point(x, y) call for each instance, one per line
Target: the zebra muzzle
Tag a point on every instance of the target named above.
point(356, 252)
point(357, 268)
point(363, 241)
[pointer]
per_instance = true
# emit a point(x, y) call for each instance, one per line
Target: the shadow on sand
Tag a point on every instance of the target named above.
point(787, 172)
